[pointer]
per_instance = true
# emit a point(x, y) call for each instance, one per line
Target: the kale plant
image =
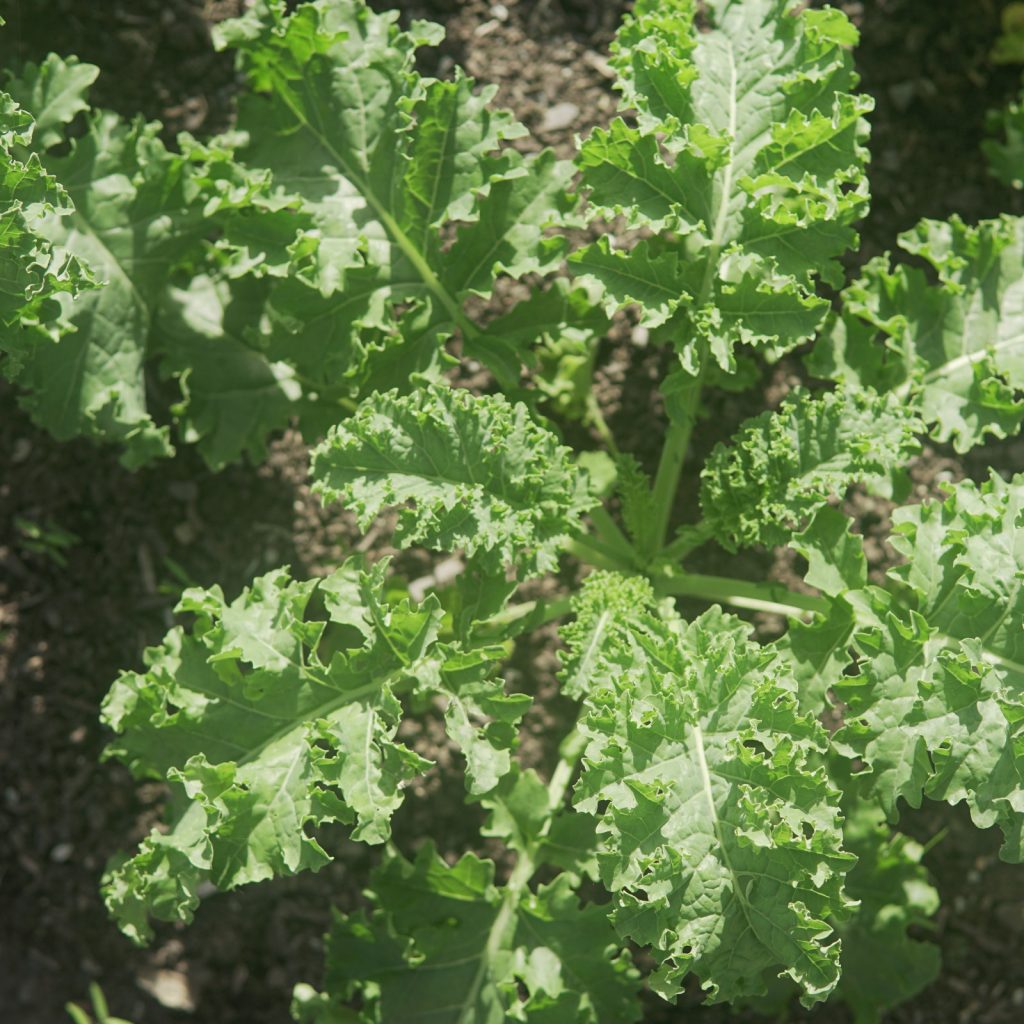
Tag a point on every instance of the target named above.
point(316, 262)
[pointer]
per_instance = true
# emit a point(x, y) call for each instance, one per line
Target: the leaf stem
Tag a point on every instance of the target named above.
point(761, 597)
point(402, 240)
point(670, 466)
point(592, 551)
point(596, 419)
point(525, 615)
point(610, 535)
point(570, 752)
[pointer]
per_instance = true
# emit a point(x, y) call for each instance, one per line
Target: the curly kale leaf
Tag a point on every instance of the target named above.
point(54, 91)
point(445, 944)
point(475, 473)
point(719, 834)
point(935, 709)
point(784, 466)
point(167, 236)
point(955, 350)
point(747, 161)
point(606, 602)
point(277, 712)
point(34, 273)
point(136, 215)
point(415, 198)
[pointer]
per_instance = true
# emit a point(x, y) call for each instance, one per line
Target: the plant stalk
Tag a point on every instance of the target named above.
point(571, 750)
point(761, 597)
point(592, 551)
point(670, 466)
point(611, 536)
point(690, 538)
point(595, 418)
point(527, 614)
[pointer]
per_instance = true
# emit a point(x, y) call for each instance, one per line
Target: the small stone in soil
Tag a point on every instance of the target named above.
point(558, 117)
point(61, 853)
point(168, 988)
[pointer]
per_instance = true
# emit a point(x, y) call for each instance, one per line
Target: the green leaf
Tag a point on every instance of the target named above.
point(507, 236)
point(34, 274)
point(556, 329)
point(605, 605)
point(519, 810)
point(954, 350)
point(1006, 154)
point(134, 219)
point(935, 709)
point(784, 466)
point(266, 718)
point(251, 354)
point(882, 965)
point(388, 163)
point(477, 473)
point(521, 816)
point(719, 834)
point(445, 944)
point(479, 715)
point(233, 396)
point(638, 508)
point(965, 562)
point(453, 153)
point(819, 652)
point(55, 91)
point(747, 159)
point(835, 557)
point(140, 214)
point(571, 962)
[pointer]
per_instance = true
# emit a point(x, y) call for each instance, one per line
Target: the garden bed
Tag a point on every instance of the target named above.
point(80, 602)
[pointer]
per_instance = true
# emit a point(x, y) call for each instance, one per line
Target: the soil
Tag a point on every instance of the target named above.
point(75, 611)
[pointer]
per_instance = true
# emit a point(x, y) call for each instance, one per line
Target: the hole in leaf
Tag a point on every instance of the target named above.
point(757, 747)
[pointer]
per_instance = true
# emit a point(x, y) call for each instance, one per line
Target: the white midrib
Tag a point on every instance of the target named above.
point(595, 642)
point(402, 240)
point(321, 711)
point(705, 777)
point(959, 363)
point(722, 215)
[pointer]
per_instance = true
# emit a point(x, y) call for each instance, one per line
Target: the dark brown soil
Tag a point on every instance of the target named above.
point(71, 617)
